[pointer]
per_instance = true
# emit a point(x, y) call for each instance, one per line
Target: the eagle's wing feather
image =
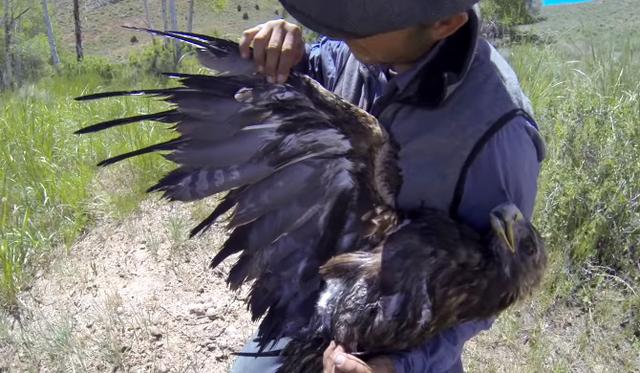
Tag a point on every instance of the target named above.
point(214, 53)
point(292, 179)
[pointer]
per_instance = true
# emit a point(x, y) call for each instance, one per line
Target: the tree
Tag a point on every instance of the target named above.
point(173, 12)
point(8, 76)
point(146, 13)
point(78, 29)
point(174, 26)
point(55, 59)
point(165, 20)
point(190, 16)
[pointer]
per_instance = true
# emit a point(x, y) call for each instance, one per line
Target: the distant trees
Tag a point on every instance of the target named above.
point(173, 12)
point(55, 58)
point(190, 16)
point(78, 30)
point(9, 22)
point(26, 55)
point(147, 17)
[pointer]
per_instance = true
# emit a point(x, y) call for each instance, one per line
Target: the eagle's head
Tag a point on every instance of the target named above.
point(518, 247)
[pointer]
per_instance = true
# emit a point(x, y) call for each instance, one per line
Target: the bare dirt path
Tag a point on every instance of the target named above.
point(137, 296)
point(133, 296)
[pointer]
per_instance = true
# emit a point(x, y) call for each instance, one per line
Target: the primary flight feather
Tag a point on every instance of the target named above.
point(311, 182)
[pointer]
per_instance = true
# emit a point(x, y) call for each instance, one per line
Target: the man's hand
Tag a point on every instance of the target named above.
point(335, 360)
point(277, 47)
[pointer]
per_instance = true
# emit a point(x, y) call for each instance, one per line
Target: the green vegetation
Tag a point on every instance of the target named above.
point(46, 171)
point(49, 189)
point(507, 12)
point(585, 88)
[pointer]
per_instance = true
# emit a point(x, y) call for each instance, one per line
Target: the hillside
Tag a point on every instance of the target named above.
point(102, 20)
point(133, 294)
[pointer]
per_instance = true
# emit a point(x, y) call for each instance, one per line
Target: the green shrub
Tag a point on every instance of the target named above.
point(507, 13)
point(155, 58)
point(46, 172)
point(588, 106)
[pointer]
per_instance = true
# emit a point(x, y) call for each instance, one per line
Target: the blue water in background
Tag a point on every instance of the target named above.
point(562, 2)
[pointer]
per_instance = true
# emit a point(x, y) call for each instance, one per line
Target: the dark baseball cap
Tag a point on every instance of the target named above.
point(362, 18)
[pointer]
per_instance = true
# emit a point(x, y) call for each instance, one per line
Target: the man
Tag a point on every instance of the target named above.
point(452, 104)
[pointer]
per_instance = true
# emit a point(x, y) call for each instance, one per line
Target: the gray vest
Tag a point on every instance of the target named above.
point(442, 114)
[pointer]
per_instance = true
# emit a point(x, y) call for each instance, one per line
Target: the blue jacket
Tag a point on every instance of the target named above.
point(467, 142)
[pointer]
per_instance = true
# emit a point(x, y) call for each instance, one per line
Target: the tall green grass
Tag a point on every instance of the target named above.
point(588, 106)
point(47, 172)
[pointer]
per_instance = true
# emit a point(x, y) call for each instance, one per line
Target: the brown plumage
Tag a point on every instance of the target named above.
point(311, 181)
point(428, 275)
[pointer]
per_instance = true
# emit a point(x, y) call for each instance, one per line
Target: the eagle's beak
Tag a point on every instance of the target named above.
point(503, 220)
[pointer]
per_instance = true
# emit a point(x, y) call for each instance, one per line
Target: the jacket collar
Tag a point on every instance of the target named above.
point(441, 71)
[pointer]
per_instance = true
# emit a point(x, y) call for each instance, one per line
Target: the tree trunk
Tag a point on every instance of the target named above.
point(7, 75)
point(174, 27)
point(174, 15)
point(190, 16)
point(146, 13)
point(55, 59)
point(533, 7)
point(78, 29)
point(165, 21)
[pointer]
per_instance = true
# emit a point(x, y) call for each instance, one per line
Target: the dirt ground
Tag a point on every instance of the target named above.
point(135, 296)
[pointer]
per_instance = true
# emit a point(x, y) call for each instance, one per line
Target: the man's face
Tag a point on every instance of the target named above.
point(394, 48)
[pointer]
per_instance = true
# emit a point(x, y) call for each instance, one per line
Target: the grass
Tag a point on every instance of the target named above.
point(589, 187)
point(586, 317)
point(47, 173)
point(586, 92)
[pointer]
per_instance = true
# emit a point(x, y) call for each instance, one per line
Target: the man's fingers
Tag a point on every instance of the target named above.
point(246, 39)
point(327, 359)
point(260, 41)
point(345, 363)
point(292, 52)
point(277, 47)
point(273, 52)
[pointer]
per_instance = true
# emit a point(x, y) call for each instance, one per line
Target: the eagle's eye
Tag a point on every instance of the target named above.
point(528, 246)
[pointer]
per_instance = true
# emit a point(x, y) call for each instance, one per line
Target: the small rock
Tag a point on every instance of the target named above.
point(161, 368)
point(89, 326)
point(197, 309)
point(155, 332)
point(211, 313)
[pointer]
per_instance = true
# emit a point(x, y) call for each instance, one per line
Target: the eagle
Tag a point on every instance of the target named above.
point(309, 183)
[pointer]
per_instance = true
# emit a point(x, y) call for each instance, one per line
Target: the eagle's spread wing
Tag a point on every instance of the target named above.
point(311, 181)
point(217, 54)
point(295, 178)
